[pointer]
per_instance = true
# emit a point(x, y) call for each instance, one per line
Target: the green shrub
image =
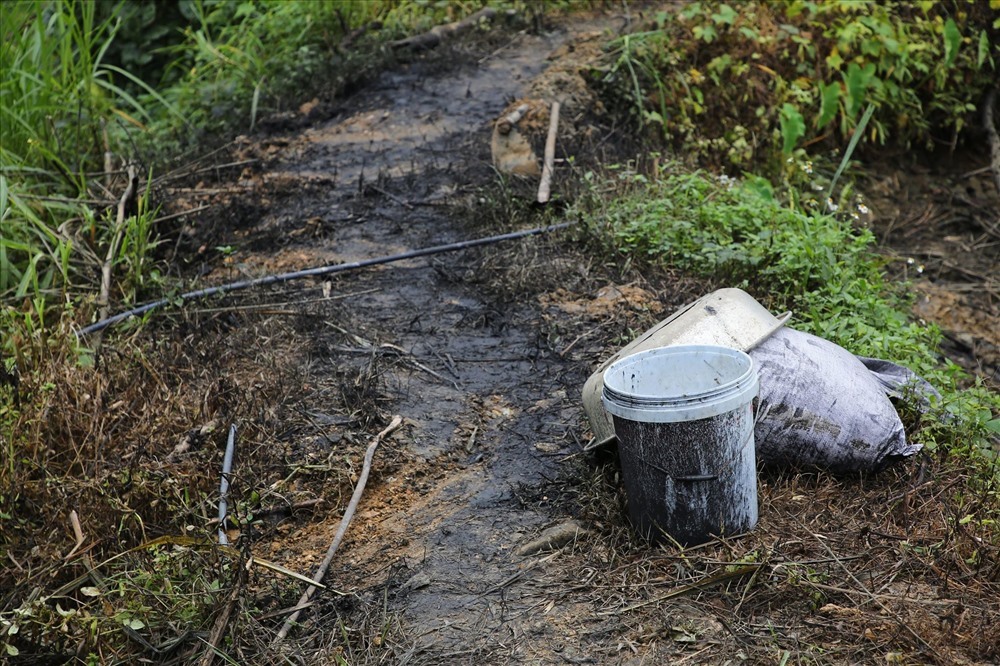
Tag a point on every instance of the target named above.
point(750, 82)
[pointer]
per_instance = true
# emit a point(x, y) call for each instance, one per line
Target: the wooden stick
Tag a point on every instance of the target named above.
point(344, 522)
point(104, 300)
point(545, 186)
point(74, 519)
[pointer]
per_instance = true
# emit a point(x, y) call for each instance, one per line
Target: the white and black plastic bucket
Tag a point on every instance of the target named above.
point(683, 417)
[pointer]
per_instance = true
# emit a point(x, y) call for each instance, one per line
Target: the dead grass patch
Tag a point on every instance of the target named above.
point(862, 570)
point(109, 483)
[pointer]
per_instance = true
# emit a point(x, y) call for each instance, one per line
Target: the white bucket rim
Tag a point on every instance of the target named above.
point(731, 394)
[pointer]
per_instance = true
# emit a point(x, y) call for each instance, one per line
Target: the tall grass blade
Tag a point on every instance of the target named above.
point(858, 133)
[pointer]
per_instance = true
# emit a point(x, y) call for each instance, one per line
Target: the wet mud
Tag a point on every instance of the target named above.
point(491, 410)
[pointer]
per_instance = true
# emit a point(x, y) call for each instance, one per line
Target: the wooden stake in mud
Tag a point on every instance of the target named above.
point(545, 185)
point(344, 522)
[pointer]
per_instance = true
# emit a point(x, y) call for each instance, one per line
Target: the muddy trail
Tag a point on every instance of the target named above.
point(484, 353)
point(491, 409)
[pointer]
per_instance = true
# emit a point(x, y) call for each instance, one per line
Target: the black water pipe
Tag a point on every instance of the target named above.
point(313, 272)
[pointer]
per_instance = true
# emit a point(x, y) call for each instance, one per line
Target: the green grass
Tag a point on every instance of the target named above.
point(821, 267)
point(70, 110)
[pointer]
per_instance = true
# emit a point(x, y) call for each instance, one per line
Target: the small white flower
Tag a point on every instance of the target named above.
point(728, 181)
point(863, 209)
point(832, 207)
point(909, 261)
point(920, 269)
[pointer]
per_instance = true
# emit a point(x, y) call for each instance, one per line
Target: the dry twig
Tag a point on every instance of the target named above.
point(437, 34)
point(126, 201)
point(344, 523)
point(74, 519)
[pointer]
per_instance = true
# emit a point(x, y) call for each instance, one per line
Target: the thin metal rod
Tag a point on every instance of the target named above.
point(314, 272)
point(227, 468)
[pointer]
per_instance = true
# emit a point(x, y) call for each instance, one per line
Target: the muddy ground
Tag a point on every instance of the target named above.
point(484, 353)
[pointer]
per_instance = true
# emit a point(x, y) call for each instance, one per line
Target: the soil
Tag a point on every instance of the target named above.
point(484, 354)
point(938, 219)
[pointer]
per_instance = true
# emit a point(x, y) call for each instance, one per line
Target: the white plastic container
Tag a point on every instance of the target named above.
point(726, 317)
point(683, 416)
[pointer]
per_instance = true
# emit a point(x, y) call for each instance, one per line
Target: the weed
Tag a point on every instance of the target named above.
point(60, 103)
point(749, 83)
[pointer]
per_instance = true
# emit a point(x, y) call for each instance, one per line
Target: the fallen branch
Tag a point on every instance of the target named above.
point(344, 523)
point(545, 185)
point(994, 138)
point(433, 37)
point(312, 272)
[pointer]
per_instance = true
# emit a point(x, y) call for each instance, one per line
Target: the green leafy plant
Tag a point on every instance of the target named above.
point(802, 72)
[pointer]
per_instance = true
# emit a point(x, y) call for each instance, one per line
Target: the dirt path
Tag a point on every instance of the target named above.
point(490, 412)
point(484, 354)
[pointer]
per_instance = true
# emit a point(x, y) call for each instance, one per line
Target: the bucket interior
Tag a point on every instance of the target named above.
point(679, 383)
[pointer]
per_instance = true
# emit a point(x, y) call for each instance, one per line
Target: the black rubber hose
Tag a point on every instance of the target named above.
point(313, 272)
